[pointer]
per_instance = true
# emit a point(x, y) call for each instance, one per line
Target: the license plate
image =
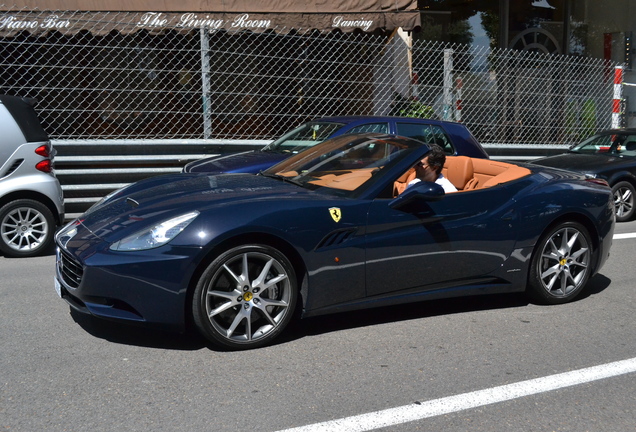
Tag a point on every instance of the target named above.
point(58, 287)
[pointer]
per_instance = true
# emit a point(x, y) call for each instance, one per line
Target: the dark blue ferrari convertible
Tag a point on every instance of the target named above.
point(330, 229)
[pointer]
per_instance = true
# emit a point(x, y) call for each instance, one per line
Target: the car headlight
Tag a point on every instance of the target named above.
point(155, 236)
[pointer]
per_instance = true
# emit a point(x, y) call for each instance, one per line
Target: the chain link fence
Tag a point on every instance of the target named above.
point(122, 102)
point(112, 80)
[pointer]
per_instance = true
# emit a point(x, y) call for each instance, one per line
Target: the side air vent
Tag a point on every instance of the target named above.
point(336, 237)
point(14, 166)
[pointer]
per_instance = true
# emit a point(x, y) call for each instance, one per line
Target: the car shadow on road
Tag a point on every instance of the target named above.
point(128, 334)
point(424, 309)
point(596, 285)
point(411, 311)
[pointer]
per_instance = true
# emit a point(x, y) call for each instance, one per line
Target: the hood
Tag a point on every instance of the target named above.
point(585, 163)
point(244, 162)
point(160, 198)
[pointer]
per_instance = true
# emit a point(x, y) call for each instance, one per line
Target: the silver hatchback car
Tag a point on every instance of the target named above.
point(31, 199)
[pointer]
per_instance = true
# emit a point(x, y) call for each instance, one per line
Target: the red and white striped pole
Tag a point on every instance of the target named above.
point(618, 96)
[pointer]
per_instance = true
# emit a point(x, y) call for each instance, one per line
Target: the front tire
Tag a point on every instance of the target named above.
point(26, 228)
point(245, 298)
point(561, 264)
point(623, 200)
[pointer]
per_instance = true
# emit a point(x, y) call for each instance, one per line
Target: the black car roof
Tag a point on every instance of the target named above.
point(25, 116)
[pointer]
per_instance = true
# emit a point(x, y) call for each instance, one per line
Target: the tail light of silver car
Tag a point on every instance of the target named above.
point(44, 150)
point(45, 165)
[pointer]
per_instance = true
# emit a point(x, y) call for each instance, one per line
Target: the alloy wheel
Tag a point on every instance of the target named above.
point(24, 229)
point(246, 298)
point(623, 201)
point(564, 262)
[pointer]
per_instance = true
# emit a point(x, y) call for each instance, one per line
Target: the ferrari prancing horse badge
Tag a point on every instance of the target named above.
point(335, 213)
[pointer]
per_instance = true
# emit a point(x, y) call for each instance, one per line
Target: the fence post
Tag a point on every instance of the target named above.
point(448, 84)
point(618, 96)
point(459, 83)
point(205, 83)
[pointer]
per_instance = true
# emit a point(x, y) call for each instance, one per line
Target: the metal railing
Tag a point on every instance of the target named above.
point(89, 169)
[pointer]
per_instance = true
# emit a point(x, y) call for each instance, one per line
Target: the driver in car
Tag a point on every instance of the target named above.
point(430, 169)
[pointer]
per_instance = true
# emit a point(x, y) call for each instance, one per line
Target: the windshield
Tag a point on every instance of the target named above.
point(344, 164)
point(303, 137)
point(615, 144)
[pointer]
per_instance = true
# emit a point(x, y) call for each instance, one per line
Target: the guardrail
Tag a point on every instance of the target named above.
point(90, 169)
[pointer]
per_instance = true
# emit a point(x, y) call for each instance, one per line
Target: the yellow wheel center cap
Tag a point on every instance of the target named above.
point(563, 261)
point(248, 296)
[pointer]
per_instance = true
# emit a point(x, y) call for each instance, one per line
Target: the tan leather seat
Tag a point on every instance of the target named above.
point(510, 174)
point(402, 182)
point(460, 172)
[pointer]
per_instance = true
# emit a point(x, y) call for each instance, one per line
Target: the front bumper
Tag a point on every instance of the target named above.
point(131, 287)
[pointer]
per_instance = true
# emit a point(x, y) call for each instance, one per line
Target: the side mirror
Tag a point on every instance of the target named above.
point(420, 191)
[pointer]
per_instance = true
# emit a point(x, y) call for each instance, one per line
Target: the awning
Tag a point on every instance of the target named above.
point(129, 16)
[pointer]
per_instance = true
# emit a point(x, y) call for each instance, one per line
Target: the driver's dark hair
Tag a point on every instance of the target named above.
point(436, 158)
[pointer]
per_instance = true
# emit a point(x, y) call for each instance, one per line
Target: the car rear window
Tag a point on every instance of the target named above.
point(25, 116)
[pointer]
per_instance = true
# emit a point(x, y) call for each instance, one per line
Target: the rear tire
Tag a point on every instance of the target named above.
point(26, 228)
point(561, 264)
point(623, 200)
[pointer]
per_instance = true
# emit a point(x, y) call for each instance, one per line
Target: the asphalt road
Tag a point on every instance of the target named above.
point(61, 372)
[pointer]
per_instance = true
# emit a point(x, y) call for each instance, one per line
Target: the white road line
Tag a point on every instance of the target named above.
point(624, 236)
point(418, 411)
